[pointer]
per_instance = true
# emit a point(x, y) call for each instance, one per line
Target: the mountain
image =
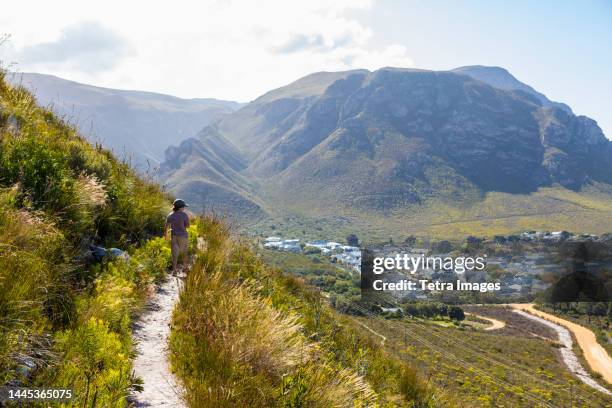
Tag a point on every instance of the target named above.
point(500, 78)
point(137, 126)
point(371, 146)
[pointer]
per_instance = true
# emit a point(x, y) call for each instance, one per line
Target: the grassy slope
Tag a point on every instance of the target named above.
point(247, 335)
point(512, 367)
point(553, 208)
point(336, 282)
point(65, 321)
point(486, 369)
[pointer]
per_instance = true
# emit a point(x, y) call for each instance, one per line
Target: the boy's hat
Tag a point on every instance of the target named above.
point(178, 203)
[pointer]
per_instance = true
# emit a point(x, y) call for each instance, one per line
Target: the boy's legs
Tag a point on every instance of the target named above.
point(184, 244)
point(176, 250)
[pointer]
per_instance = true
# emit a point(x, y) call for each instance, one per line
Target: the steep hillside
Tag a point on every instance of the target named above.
point(135, 125)
point(307, 353)
point(369, 146)
point(208, 173)
point(267, 339)
point(65, 314)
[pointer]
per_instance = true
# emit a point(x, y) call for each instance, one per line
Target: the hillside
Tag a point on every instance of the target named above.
point(65, 314)
point(135, 125)
point(408, 148)
point(426, 360)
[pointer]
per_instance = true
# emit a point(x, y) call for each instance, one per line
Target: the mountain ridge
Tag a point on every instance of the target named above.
point(138, 125)
point(393, 139)
point(499, 77)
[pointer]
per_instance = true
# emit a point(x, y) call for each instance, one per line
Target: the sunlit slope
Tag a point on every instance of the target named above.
point(548, 209)
point(402, 151)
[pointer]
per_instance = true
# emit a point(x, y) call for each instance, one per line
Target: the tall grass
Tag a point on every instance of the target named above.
point(245, 335)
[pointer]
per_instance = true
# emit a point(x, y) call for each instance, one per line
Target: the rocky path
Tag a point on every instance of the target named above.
point(151, 332)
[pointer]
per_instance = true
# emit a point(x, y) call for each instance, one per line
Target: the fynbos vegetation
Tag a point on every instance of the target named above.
point(65, 317)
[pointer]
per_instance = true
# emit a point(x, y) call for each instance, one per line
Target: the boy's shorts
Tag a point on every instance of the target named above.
point(180, 245)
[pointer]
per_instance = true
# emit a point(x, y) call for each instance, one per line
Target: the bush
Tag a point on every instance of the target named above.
point(154, 257)
point(352, 240)
point(415, 389)
point(112, 302)
point(456, 313)
point(94, 363)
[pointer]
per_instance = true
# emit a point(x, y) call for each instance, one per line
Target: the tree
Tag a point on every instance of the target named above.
point(456, 313)
point(442, 246)
point(442, 309)
point(352, 240)
point(411, 240)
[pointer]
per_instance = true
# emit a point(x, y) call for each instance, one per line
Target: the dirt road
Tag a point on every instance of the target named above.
point(151, 331)
point(595, 355)
point(495, 324)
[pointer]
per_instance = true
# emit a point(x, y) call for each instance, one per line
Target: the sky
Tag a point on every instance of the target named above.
point(240, 49)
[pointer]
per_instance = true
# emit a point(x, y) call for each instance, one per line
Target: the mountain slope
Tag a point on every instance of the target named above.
point(500, 78)
point(366, 145)
point(136, 125)
point(65, 314)
point(207, 173)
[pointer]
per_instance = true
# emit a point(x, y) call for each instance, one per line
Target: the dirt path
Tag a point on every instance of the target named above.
point(595, 355)
point(151, 332)
point(495, 324)
point(383, 338)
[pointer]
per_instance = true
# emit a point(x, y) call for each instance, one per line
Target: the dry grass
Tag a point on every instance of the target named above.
point(91, 191)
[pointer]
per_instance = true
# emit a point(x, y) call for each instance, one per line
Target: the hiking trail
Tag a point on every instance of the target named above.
point(151, 332)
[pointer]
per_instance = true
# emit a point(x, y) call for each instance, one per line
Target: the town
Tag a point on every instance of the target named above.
point(522, 265)
point(346, 255)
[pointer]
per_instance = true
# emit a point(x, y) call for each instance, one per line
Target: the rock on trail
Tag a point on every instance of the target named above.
point(151, 332)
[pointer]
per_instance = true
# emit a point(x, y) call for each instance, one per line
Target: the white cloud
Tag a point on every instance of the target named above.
point(226, 49)
point(87, 47)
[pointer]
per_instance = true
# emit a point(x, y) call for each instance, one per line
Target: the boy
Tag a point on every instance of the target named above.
point(178, 222)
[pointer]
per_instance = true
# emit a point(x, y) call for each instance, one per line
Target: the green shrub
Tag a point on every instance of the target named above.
point(154, 258)
point(113, 301)
point(94, 363)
